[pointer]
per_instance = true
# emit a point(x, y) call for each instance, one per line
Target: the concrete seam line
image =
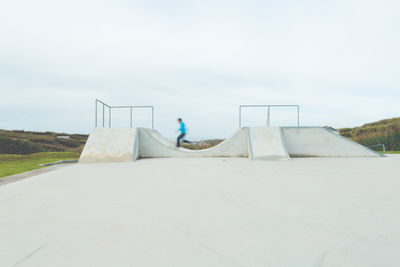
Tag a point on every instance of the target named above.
point(283, 142)
point(249, 143)
point(135, 154)
point(301, 127)
point(29, 255)
point(59, 162)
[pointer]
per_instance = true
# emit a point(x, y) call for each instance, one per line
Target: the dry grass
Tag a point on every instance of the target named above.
point(25, 142)
point(385, 132)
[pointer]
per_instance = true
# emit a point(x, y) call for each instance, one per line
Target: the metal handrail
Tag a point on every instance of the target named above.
point(268, 121)
point(381, 145)
point(131, 113)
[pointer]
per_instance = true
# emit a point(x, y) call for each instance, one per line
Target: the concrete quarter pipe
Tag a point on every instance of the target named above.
point(256, 143)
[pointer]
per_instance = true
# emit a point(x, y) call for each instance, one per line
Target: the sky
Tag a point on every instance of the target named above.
point(199, 60)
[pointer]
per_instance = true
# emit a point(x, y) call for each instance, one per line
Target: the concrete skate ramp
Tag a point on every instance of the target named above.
point(111, 145)
point(257, 143)
point(154, 145)
point(322, 142)
point(267, 143)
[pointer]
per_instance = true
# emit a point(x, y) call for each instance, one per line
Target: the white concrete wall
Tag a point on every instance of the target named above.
point(322, 142)
point(266, 143)
point(111, 145)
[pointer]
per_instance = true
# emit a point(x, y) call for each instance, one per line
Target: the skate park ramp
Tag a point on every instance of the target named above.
point(266, 143)
point(322, 142)
point(153, 145)
point(256, 143)
point(110, 145)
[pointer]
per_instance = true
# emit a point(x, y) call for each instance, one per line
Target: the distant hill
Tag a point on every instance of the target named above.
point(26, 142)
point(385, 132)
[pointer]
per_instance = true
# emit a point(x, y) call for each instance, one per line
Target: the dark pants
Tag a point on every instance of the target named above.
point(178, 140)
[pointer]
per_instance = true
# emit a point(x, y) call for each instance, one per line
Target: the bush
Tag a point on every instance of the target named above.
point(68, 142)
point(385, 132)
point(10, 146)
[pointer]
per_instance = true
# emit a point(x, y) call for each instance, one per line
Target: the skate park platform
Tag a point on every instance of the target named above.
point(107, 144)
point(255, 143)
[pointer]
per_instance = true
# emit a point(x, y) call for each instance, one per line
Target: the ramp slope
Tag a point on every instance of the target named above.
point(322, 142)
point(154, 145)
point(111, 145)
point(267, 143)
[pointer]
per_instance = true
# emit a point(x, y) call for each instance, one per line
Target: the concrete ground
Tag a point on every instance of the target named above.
point(206, 212)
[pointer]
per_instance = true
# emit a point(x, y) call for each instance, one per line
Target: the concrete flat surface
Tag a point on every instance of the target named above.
point(206, 212)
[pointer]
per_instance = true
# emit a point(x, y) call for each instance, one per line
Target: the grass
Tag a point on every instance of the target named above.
point(198, 145)
point(385, 132)
point(390, 152)
point(13, 164)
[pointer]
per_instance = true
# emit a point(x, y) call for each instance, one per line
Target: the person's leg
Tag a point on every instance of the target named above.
point(178, 140)
point(184, 140)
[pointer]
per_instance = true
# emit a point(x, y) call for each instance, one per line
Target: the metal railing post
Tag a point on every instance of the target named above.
point(103, 115)
point(268, 122)
point(131, 108)
point(152, 117)
point(130, 116)
point(240, 116)
point(381, 145)
point(95, 114)
point(298, 116)
point(109, 117)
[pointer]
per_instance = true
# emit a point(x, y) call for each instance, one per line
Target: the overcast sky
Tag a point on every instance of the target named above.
point(199, 60)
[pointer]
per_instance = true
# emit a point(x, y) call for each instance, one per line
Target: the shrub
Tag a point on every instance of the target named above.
point(385, 132)
point(10, 146)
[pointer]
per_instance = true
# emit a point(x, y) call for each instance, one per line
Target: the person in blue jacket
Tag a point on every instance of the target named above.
point(182, 130)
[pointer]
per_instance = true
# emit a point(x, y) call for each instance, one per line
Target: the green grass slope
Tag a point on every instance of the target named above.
point(385, 132)
point(12, 164)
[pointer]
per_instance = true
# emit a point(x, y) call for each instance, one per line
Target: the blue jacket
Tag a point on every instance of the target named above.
point(182, 128)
